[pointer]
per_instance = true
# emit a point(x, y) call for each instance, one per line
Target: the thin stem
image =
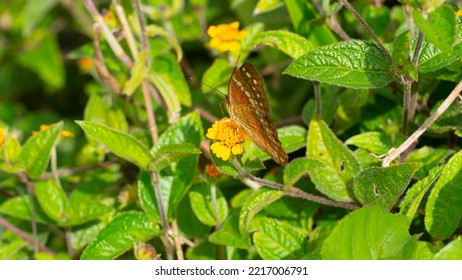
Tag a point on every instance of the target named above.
point(394, 153)
point(72, 171)
point(368, 28)
point(155, 176)
point(100, 66)
point(163, 214)
point(79, 15)
point(177, 238)
point(110, 38)
point(335, 26)
point(54, 166)
point(206, 115)
point(406, 105)
point(295, 192)
point(418, 47)
point(30, 190)
point(289, 121)
point(128, 31)
point(139, 14)
point(68, 235)
point(317, 97)
point(213, 195)
point(26, 237)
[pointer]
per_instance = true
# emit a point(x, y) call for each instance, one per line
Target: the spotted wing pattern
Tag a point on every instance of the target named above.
point(248, 107)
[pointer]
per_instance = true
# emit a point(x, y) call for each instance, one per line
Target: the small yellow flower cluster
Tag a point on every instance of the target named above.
point(228, 137)
point(225, 36)
point(459, 13)
point(2, 137)
point(63, 133)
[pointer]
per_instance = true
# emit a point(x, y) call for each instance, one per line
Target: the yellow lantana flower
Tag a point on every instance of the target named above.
point(228, 137)
point(459, 13)
point(2, 137)
point(225, 36)
point(64, 133)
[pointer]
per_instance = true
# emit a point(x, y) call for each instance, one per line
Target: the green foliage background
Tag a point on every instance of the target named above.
point(123, 188)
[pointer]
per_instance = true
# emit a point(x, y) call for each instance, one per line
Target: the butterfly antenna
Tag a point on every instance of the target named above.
point(214, 88)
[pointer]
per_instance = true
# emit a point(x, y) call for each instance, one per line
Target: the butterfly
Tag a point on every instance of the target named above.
point(248, 108)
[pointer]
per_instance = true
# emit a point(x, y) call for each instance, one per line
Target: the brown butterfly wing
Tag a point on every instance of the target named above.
point(248, 107)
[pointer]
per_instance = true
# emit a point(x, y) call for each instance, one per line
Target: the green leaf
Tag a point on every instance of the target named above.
point(229, 235)
point(301, 14)
point(401, 60)
point(440, 28)
point(224, 166)
point(376, 142)
point(120, 143)
point(340, 165)
point(431, 58)
point(383, 186)
point(444, 206)
point(11, 245)
point(452, 251)
point(276, 240)
point(169, 80)
point(19, 207)
point(425, 251)
point(256, 202)
point(382, 236)
point(378, 18)
point(176, 179)
point(154, 30)
point(95, 110)
point(292, 138)
point(82, 235)
point(137, 73)
point(188, 223)
point(34, 12)
point(382, 115)
point(216, 76)
point(415, 194)
point(45, 60)
point(202, 251)
point(200, 196)
point(351, 64)
point(36, 151)
point(289, 43)
point(119, 235)
point(429, 157)
point(9, 155)
point(171, 153)
point(329, 107)
point(264, 6)
point(81, 211)
point(147, 196)
point(52, 198)
point(297, 168)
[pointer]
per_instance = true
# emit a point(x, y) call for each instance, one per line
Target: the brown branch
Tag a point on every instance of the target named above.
point(295, 192)
point(368, 28)
point(206, 115)
point(26, 237)
point(72, 171)
point(289, 121)
point(394, 153)
point(100, 66)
